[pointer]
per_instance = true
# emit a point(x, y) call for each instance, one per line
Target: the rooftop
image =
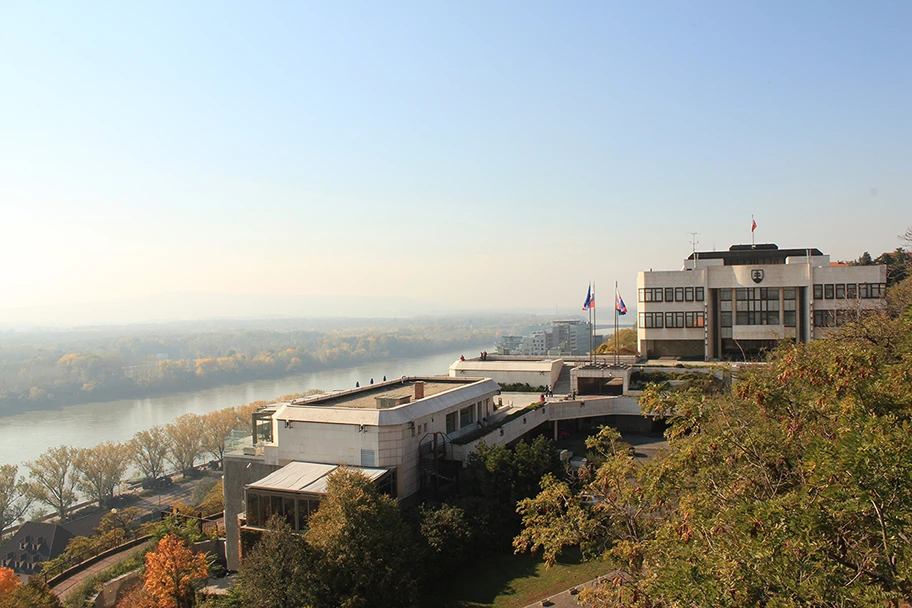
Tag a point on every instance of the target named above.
point(306, 477)
point(391, 393)
point(761, 253)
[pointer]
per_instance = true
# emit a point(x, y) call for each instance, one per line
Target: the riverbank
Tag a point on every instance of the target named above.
point(25, 435)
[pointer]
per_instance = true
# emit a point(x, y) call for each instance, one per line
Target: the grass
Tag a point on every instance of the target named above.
point(511, 581)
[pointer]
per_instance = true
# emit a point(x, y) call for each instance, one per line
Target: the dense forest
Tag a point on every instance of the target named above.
point(49, 368)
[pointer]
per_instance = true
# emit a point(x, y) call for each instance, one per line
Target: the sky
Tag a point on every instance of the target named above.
point(175, 160)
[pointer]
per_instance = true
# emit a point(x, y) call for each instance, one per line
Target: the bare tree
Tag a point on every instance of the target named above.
point(101, 469)
point(15, 497)
point(185, 442)
point(148, 450)
point(54, 479)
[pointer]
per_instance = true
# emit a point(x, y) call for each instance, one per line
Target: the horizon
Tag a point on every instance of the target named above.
point(178, 162)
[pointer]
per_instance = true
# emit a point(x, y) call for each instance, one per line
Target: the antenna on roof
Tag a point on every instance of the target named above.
point(693, 241)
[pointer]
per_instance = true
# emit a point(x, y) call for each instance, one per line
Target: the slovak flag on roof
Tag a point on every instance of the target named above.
point(753, 224)
point(619, 305)
point(590, 300)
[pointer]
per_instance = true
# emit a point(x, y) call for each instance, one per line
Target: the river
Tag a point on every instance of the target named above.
point(25, 436)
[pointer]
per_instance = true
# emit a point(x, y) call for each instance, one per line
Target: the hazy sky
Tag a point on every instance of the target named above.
point(468, 155)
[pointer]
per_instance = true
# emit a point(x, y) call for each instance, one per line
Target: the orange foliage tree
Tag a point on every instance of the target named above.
point(8, 581)
point(171, 571)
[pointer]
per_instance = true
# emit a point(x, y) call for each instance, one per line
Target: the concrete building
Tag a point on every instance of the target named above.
point(394, 431)
point(733, 304)
point(510, 370)
point(571, 337)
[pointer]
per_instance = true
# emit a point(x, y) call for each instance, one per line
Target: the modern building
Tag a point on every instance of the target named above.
point(563, 338)
point(396, 432)
point(505, 369)
point(734, 304)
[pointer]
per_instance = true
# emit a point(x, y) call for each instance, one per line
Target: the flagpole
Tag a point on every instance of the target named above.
point(592, 326)
point(615, 323)
point(752, 231)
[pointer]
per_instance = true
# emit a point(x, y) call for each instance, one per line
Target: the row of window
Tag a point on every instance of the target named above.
point(672, 320)
point(849, 291)
point(671, 294)
point(836, 318)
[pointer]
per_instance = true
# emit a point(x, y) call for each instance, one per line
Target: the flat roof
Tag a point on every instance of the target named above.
point(365, 397)
point(761, 253)
point(307, 477)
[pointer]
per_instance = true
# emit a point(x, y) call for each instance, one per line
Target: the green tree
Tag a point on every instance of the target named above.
point(54, 479)
point(447, 535)
point(364, 551)
point(277, 571)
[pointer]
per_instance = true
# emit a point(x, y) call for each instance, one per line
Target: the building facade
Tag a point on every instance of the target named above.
point(393, 431)
point(734, 304)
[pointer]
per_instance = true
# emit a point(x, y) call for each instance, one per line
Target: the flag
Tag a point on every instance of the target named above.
point(753, 224)
point(590, 300)
point(619, 305)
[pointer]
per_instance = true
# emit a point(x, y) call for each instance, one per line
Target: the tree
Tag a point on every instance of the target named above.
point(217, 426)
point(32, 595)
point(626, 341)
point(276, 572)
point(171, 571)
point(100, 469)
point(15, 496)
point(363, 548)
point(448, 538)
point(148, 450)
point(9, 580)
point(54, 479)
point(185, 442)
point(792, 489)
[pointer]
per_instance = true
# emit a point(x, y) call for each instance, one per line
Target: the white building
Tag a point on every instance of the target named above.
point(510, 370)
point(394, 431)
point(732, 304)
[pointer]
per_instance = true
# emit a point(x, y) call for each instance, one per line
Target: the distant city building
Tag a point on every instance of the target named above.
point(733, 304)
point(562, 338)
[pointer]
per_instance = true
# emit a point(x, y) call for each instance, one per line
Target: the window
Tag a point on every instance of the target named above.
point(669, 294)
point(818, 291)
point(757, 306)
point(828, 291)
point(466, 416)
point(451, 422)
point(851, 291)
point(650, 294)
point(674, 320)
point(789, 317)
point(725, 294)
point(864, 290)
point(651, 320)
point(824, 318)
point(693, 319)
point(688, 294)
point(641, 295)
point(698, 294)
point(657, 294)
point(679, 294)
point(840, 291)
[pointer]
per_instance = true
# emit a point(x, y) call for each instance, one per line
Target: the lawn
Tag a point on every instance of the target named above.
point(511, 581)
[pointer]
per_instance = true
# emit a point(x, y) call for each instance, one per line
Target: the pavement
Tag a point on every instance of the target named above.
point(567, 598)
point(66, 587)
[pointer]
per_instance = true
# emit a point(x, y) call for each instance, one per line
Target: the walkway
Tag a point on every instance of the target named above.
point(567, 598)
point(66, 587)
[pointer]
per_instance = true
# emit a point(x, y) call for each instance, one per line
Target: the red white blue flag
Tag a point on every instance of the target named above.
point(619, 305)
point(590, 300)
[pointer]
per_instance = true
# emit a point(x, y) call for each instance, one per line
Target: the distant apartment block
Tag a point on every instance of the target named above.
point(562, 338)
point(733, 304)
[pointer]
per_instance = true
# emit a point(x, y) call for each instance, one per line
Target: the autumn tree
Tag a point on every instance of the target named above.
point(277, 571)
point(9, 580)
point(32, 595)
point(100, 469)
point(15, 495)
point(54, 479)
point(148, 450)
point(626, 342)
point(185, 442)
point(217, 426)
point(792, 489)
point(363, 550)
point(171, 572)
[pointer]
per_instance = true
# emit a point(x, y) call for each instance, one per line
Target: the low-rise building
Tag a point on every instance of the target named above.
point(394, 431)
point(733, 304)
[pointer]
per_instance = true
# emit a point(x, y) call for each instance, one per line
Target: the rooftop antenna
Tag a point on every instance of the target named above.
point(693, 245)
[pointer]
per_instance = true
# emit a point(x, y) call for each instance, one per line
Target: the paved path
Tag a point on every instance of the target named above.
point(565, 599)
point(65, 588)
